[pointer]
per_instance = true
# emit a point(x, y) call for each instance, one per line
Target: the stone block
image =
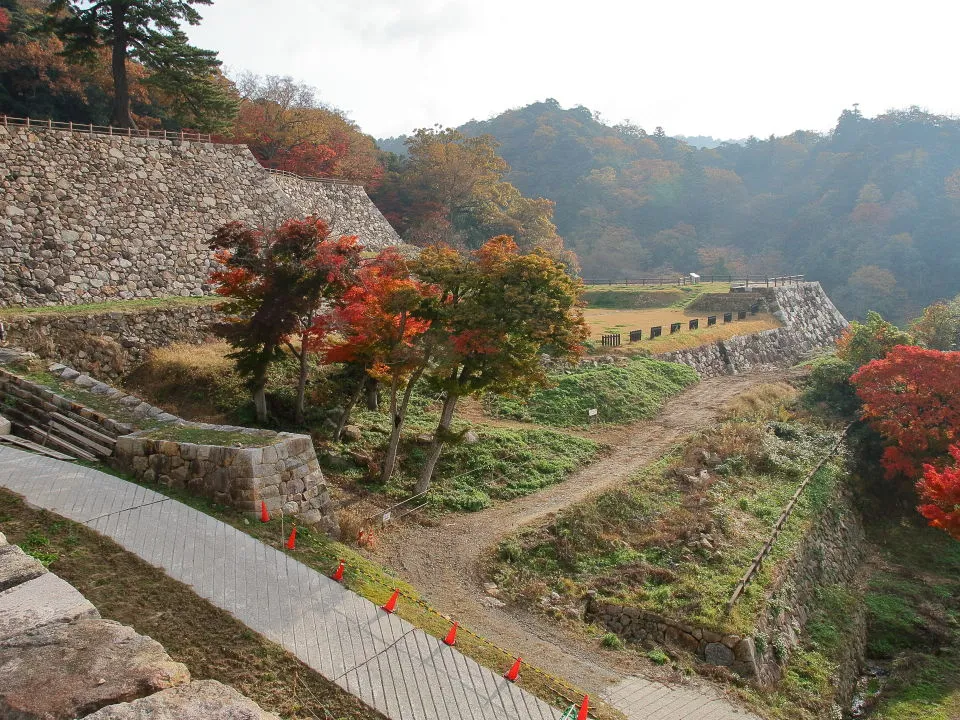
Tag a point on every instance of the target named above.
point(200, 700)
point(43, 600)
point(5, 426)
point(718, 654)
point(68, 670)
point(16, 567)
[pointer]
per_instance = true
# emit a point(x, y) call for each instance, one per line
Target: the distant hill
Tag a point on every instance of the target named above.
point(706, 141)
point(872, 208)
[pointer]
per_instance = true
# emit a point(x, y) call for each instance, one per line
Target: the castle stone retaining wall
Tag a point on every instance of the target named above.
point(830, 553)
point(108, 344)
point(86, 218)
point(810, 320)
point(285, 474)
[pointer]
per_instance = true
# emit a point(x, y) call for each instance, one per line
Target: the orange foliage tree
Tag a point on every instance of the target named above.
point(383, 339)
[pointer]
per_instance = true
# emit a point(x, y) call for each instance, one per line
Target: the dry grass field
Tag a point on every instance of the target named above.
point(602, 321)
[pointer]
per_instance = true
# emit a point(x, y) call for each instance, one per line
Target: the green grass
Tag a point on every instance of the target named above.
point(110, 306)
point(913, 604)
point(620, 394)
point(206, 436)
point(628, 297)
point(640, 544)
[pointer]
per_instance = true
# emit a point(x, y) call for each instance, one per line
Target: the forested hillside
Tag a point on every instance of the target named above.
point(872, 209)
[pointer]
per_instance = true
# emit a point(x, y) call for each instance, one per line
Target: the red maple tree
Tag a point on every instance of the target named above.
point(910, 397)
point(940, 492)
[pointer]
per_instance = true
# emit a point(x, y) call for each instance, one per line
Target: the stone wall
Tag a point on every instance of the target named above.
point(285, 475)
point(830, 553)
point(279, 469)
point(810, 320)
point(108, 344)
point(87, 218)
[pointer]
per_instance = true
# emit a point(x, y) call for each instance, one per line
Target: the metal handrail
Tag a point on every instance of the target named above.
point(311, 178)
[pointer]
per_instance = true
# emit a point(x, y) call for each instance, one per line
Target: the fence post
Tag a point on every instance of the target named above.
point(50, 123)
point(28, 123)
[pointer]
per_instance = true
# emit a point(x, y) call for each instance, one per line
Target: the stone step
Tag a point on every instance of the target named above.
point(96, 435)
point(37, 602)
point(65, 433)
point(200, 700)
point(45, 438)
point(25, 444)
point(69, 670)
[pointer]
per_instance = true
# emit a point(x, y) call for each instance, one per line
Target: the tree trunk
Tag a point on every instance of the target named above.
point(373, 395)
point(121, 87)
point(443, 429)
point(398, 415)
point(301, 410)
point(259, 387)
point(345, 415)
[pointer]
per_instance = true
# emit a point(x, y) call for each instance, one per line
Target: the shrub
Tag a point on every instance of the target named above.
point(870, 340)
point(829, 384)
point(610, 640)
point(658, 656)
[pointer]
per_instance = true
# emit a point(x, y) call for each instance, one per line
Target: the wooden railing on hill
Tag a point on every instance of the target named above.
point(778, 526)
point(736, 281)
point(310, 178)
point(91, 129)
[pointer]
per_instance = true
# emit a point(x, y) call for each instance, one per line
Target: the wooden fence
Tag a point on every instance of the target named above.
point(778, 526)
point(91, 129)
point(610, 340)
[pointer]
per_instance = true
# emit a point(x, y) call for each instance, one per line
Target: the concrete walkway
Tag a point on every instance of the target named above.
point(401, 671)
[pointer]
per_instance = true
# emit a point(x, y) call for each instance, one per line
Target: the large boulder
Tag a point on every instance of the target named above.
point(43, 600)
point(68, 670)
point(201, 700)
point(16, 567)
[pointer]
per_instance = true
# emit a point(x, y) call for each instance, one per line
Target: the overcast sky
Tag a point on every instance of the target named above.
point(727, 69)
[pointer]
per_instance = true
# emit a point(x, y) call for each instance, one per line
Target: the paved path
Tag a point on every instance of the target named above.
point(394, 667)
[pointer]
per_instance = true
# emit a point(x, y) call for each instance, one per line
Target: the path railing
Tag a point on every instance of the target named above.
point(779, 525)
point(91, 129)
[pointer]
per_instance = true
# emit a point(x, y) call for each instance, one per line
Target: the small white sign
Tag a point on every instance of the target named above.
point(592, 413)
point(387, 516)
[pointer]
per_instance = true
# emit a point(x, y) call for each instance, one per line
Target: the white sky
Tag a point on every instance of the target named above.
point(727, 69)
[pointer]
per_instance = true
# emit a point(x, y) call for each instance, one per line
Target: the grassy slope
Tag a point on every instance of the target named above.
point(625, 297)
point(913, 603)
point(620, 394)
point(111, 306)
point(642, 544)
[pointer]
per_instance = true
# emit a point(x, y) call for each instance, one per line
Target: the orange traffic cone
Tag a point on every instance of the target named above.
point(392, 602)
point(514, 672)
point(264, 515)
point(451, 637)
point(292, 541)
point(338, 573)
point(584, 708)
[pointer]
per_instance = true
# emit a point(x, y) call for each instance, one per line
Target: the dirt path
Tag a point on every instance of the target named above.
point(444, 562)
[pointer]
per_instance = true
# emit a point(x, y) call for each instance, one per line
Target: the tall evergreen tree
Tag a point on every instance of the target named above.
point(149, 32)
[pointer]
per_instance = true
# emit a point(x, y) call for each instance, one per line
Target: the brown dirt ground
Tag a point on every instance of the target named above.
point(446, 560)
point(209, 641)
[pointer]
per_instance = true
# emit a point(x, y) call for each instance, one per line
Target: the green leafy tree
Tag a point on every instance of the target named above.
point(870, 340)
point(490, 320)
point(149, 32)
point(939, 326)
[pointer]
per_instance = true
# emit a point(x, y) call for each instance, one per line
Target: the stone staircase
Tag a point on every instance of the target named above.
point(46, 422)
